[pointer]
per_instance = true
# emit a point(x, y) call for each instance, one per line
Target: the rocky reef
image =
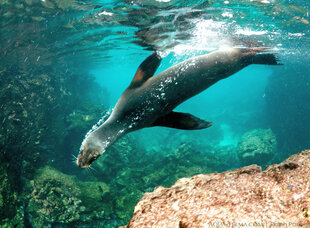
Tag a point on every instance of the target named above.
point(130, 171)
point(104, 197)
point(35, 116)
point(257, 147)
point(57, 198)
point(242, 197)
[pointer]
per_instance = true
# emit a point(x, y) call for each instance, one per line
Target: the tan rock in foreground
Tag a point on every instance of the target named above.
point(278, 196)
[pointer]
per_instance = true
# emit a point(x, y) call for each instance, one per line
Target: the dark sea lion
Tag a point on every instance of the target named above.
point(149, 101)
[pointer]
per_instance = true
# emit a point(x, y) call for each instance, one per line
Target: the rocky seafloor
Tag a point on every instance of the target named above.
point(248, 196)
point(107, 196)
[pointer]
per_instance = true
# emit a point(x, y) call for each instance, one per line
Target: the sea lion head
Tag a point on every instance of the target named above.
point(90, 150)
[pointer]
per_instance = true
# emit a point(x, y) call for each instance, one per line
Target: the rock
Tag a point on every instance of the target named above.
point(130, 170)
point(184, 161)
point(17, 221)
point(126, 201)
point(59, 198)
point(257, 147)
point(246, 195)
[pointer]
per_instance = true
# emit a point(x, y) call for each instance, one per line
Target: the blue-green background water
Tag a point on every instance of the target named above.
point(64, 64)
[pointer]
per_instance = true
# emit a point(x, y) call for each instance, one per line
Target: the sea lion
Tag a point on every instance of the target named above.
point(149, 101)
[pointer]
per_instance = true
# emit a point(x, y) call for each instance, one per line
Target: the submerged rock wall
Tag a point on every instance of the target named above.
point(280, 194)
point(35, 109)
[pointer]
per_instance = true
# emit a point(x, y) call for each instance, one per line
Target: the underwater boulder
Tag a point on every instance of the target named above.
point(244, 197)
point(57, 198)
point(257, 147)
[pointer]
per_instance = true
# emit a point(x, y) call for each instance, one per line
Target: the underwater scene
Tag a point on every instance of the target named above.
point(78, 151)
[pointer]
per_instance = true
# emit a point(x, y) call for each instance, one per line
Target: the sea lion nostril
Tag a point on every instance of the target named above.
point(80, 162)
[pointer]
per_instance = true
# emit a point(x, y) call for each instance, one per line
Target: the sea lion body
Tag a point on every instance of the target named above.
point(160, 94)
point(149, 101)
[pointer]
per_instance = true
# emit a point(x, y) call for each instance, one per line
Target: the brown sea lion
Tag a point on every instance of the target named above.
point(149, 101)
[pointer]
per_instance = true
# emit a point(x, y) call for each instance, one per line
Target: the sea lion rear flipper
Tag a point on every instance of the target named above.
point(146, 70)
point(259, 56)
point(183, 121)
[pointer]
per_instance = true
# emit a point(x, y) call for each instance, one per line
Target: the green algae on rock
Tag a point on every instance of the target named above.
point(17, 221)
point(126, 201)
point(60, 198)
point(35, 104)
point(182, 163)
point(257, 147)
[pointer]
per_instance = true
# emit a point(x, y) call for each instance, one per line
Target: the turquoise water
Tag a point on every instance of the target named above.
point(64, 64)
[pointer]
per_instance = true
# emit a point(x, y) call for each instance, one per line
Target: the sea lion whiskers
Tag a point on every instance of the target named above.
point(89, 171)
point(74, 158)
point(92, 170)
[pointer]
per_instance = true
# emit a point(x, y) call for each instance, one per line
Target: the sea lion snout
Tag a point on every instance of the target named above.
point(89, 152)
point(85, 161)
point(81, 164)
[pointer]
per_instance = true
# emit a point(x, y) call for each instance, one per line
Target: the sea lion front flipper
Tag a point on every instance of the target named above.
point(183, 121)
point(146, 70)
